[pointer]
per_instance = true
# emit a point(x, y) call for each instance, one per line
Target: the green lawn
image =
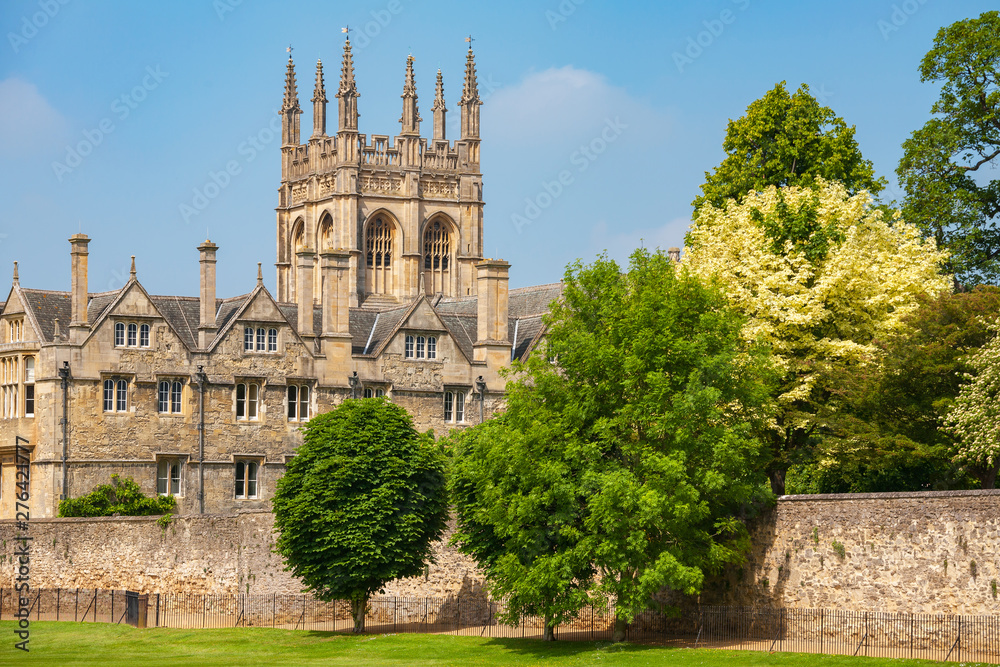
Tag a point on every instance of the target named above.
point(101, 644)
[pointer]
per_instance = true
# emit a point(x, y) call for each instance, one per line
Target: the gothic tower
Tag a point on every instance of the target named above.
point(408, 213)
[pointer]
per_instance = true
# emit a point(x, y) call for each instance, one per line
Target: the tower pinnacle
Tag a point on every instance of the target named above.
point(319, 103)
point(440, 109)
point(411, 114)
point(470, 101)
point(347, 93)
point(290, 109)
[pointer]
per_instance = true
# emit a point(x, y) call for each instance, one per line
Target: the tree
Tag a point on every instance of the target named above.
point(820, 274)
point(122, 497)
point(361, 502)
point(975, 420)
point(787, 140)
point(631, 457)
point(885, 420)
point(948, 195)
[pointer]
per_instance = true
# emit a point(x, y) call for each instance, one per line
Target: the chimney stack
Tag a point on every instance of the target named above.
point(336, 297)
point(78, 325)
point(206, 318)
point(674, 254)
point(491, 286)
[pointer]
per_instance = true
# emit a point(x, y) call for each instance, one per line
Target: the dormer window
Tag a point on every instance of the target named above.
point(420, 347)
point(260, 339)
point(131, 334)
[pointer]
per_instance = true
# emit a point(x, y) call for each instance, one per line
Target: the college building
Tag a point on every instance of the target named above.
point(382, 290)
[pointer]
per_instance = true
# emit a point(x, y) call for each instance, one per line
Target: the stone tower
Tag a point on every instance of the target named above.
point(409, 214)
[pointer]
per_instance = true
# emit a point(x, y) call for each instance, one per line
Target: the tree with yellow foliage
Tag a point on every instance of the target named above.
point(819, 274)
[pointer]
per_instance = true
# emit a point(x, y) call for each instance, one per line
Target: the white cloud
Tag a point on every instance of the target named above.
point(559, 104)
point(27, 120)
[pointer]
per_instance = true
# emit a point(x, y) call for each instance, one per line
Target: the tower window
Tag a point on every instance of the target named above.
point(437, 257)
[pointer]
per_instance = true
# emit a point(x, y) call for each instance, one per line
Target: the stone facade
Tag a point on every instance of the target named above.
point(926, 552)
point(382, 289)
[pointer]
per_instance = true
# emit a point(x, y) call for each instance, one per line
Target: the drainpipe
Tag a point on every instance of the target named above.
point(64, 376)
point(202, 382)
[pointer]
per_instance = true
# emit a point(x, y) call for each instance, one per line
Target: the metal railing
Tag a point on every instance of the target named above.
point(880, 634)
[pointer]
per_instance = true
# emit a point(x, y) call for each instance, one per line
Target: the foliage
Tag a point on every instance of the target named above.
point(975, 419)
point(942, 169)
point(634, 455)
point(884, 420)
point(820, 275)
point(361, 502)
point(787, 140)
point(122, 497)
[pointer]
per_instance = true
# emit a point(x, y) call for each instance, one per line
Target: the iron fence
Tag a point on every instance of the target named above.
point(881, 634)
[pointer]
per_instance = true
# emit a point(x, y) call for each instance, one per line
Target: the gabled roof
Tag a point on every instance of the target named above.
point(46, 307)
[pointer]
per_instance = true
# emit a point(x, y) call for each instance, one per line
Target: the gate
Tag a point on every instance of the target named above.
point(135, 609)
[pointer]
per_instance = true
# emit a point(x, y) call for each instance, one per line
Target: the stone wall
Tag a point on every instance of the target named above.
point(895, 552)
point(196, 554)
point(925, 552)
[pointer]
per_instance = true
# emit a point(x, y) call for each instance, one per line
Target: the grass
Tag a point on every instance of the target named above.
point(66, 644)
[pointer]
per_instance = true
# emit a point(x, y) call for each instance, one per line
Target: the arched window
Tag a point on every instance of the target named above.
point(432, 347)
point(29, 386)
point(133, 330)
point(109, 395)
point(248, 339)
point(121, 396)
point(247, 398)
point(168, 477)
point(378, 244)
point(325, 239)
point(144, 335)
point(437, 258)
point(246, 479)
point(119, 334)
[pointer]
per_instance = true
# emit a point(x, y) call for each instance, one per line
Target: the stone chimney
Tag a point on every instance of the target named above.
point(78, 325)
point(491, 286)
point(674, 254)
point(304, 291)
point(207, 307)
point(336, 297)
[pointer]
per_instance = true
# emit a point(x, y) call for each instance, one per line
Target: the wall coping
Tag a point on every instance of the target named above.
point(901, 495)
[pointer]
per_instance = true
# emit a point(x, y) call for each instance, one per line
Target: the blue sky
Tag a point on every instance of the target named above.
point(162, 95)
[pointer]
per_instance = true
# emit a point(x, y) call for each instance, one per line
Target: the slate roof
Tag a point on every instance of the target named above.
point(370, 329)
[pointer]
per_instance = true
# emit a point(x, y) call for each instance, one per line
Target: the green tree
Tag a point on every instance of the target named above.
point(361, 502)
point(975, 419)
point(122, 497)
point(942, 171)
point(633, 454)
point(787, 140)
point(885, 419)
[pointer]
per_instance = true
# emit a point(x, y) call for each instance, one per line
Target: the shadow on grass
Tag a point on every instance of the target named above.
point(539, 648)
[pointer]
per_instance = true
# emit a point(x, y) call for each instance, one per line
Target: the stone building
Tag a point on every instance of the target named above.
point(382, 289)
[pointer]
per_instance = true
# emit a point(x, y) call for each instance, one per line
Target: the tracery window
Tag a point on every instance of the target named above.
point(378, 244)
point(437, 258)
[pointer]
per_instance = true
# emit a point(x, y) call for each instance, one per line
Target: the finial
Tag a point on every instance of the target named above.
point(260, 274)
point(131, 272)
point(16, 280)
point(56, 334)
point(347, 84)
point(439, 93)
point(291, 101)
point(409, 86)
point(319, 92)
point(470, 88)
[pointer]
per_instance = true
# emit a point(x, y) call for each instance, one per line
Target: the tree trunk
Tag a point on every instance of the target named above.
point(621, 625)
point(359, 606)
point(990, 478)
point(550, 630)
point(777, 482)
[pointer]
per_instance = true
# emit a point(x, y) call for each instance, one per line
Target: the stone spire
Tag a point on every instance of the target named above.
point(319, 103)
point(470, 101)
point(411, 114)
point(347, 94)
point(440, 109)
point(290, 108)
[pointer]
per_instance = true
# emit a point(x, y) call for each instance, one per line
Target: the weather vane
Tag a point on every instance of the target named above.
point(346, 30)
point(289, 49)
point(470, 40)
